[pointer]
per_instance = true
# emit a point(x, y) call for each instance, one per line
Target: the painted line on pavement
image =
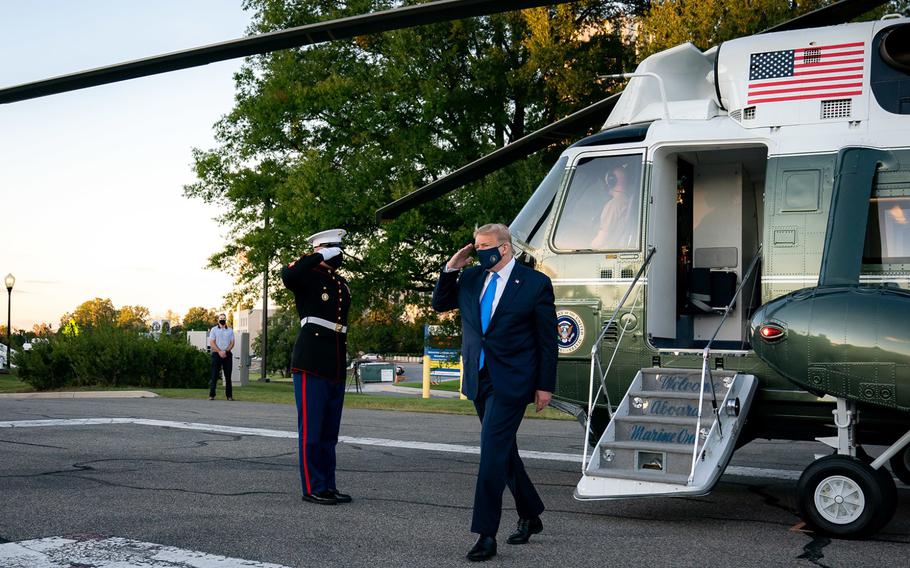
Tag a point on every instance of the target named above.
point(740, 471)
point(113, 552)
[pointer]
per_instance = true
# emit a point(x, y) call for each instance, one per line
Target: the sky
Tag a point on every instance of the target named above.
point(91, 181)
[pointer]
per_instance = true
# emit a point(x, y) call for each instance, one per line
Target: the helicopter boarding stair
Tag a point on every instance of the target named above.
point(674, 431)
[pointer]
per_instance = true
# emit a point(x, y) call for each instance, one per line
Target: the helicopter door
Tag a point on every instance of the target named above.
point(705, 219)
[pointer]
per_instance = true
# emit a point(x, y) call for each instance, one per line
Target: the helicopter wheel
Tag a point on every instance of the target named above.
point(900, 465)
point(844, 497)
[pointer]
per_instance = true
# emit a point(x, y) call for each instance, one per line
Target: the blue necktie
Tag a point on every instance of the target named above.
point(486, 309)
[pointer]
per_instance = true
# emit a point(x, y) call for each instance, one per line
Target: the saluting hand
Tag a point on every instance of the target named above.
point(329, 252)
point(461, 258)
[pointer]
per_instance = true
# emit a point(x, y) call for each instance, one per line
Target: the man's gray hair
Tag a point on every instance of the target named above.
point(501, 231)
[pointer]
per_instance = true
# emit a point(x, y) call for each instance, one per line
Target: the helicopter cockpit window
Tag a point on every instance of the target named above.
point(601, 211)
point(888, 231)
point(528, 225)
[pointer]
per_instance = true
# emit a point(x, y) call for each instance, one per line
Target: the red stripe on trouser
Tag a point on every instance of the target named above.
point(306, 470)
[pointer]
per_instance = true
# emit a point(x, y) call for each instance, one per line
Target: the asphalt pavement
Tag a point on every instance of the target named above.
point(221, 478)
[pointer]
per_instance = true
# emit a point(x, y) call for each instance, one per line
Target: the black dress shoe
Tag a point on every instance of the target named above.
point(321, 498)
point(526, 527)
point(340, 497)
point(483, 549)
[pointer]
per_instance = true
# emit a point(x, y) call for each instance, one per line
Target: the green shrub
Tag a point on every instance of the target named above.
point(112, 357)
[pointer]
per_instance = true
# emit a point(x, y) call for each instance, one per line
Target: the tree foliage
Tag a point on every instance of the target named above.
point(199, 319)
point(133, 317)
point(283, 327)
point(322, 136)
point(101, 313)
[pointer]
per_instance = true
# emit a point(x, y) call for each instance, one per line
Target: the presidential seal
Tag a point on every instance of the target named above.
point(570, 331)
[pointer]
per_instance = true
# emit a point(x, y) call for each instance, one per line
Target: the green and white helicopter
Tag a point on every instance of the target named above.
point(730, 251)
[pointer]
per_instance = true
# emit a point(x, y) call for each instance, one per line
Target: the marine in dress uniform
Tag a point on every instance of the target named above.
point(319, 361)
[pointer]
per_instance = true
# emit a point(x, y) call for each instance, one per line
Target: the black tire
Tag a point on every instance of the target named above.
point(900, 465)
point(871, 497)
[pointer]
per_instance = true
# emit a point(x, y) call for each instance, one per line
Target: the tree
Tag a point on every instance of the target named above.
point(92, 313)
point(322, 136)
point(706, 23)
point(199, 319)
point(283, 327)
point(43, 330)
point(133, 317)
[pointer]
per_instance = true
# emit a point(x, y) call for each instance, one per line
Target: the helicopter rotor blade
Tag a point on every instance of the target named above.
point(571, 126)
point(833, 14)
point(342, 28)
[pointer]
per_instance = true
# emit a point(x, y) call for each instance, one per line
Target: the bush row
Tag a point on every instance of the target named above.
point(112, 357)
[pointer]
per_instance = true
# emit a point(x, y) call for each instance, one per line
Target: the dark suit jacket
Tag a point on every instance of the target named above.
point(520, 345)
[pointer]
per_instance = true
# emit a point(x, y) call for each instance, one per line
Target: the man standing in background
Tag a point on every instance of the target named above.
point(221, 340)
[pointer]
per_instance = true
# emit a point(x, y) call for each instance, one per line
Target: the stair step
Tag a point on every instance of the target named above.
point(636, 457)
point(670, 394)
point(686, 381)
point(649, 447)
point(672, 404)
point(679, 431)
point(654, 476)
point(664, 420)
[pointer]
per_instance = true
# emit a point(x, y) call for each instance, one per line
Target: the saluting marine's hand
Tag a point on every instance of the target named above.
point(329, 252)
point(461, 258)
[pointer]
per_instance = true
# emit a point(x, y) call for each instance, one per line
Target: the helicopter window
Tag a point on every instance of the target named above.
point(801, 190)
point(601, 210)
point(890, 74)
point(531, 218)
point(888, 232)
point(896, 48)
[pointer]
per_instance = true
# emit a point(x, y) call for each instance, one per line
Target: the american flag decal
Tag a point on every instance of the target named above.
point(817, 72)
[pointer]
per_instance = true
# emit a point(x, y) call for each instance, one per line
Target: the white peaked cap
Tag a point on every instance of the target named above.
point(327, 238)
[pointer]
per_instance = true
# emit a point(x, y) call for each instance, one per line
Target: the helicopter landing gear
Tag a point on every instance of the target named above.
point(842, 495)
point(900, 465)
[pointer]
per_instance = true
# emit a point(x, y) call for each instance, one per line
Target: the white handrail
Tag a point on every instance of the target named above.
point(595, 360)
point(705, 372)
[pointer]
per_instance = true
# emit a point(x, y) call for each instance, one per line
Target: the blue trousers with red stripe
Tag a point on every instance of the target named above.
point(319, 404)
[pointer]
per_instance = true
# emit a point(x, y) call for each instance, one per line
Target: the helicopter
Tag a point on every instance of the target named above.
point(730, 251)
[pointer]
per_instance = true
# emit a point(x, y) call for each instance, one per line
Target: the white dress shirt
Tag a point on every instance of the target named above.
point(504, 273)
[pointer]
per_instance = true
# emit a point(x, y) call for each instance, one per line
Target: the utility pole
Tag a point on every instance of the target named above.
point(265, 303)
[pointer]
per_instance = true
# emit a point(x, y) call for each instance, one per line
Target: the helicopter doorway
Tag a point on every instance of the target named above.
point(705, 219)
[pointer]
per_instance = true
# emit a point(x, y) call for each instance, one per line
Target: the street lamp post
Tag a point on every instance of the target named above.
point(10, 281)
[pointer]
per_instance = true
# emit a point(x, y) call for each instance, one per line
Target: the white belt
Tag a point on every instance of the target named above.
point(324, 323)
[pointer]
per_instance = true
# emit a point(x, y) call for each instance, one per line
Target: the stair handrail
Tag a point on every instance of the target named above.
point(705, 372)
point(595, 358)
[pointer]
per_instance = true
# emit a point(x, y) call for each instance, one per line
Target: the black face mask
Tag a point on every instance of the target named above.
point(222, 322)
point(489, 257)
point(335, 261)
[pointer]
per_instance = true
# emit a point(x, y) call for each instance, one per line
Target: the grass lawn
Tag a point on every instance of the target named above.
point(451, 386)
point(11, 383)
point(282, 392)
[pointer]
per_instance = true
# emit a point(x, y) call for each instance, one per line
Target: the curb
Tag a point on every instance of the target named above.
point(81, 394)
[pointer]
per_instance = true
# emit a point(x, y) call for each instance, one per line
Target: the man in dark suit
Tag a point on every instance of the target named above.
point(509, 351)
